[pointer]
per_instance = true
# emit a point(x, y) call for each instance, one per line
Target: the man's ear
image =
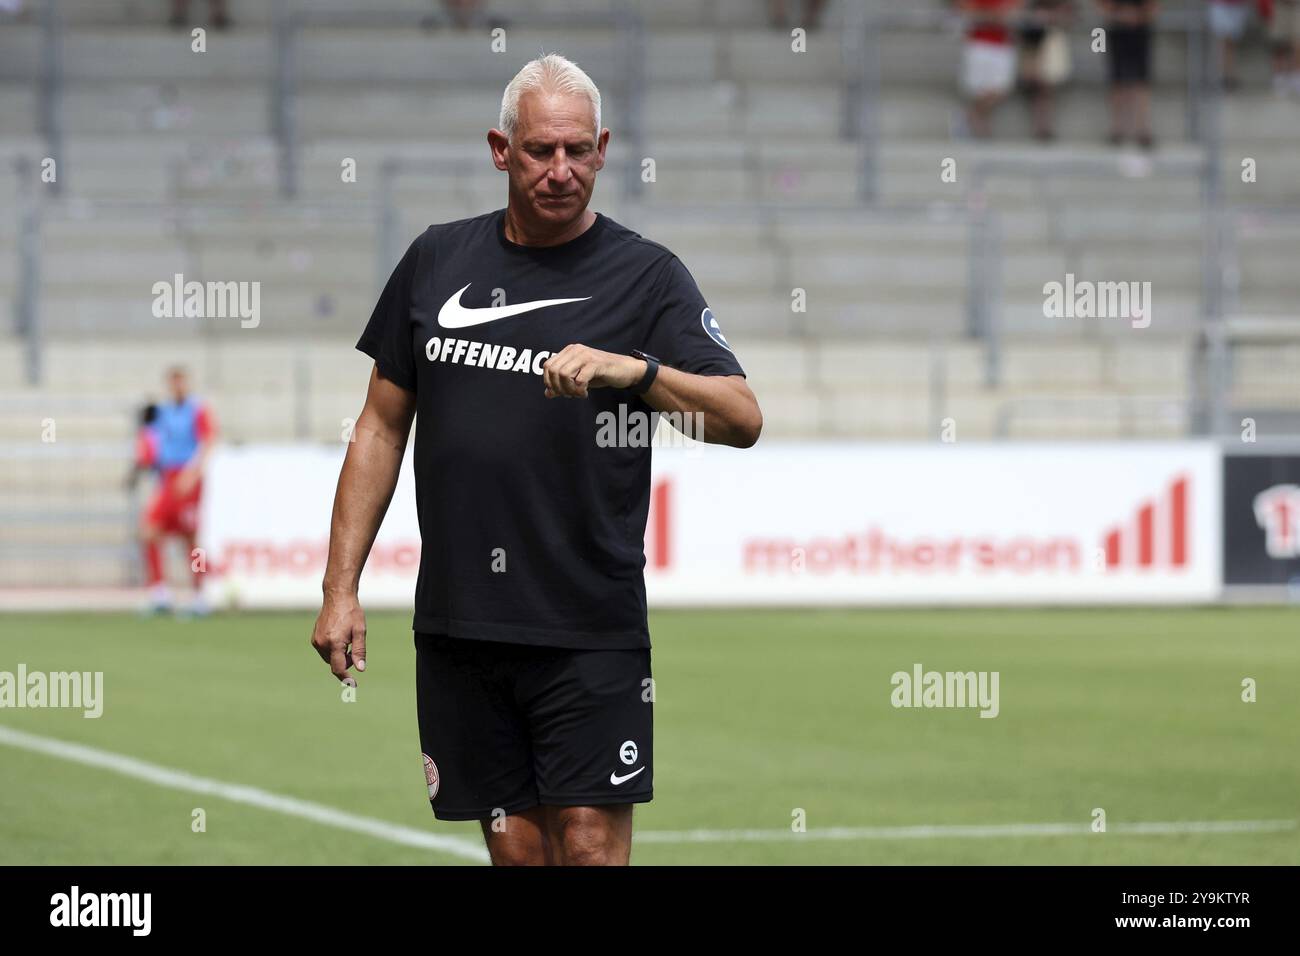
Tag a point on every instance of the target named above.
point(499, 146)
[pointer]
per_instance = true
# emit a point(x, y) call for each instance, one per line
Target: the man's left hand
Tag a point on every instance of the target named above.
point(570, 372)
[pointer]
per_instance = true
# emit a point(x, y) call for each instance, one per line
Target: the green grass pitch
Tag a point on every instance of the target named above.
point(758, 713)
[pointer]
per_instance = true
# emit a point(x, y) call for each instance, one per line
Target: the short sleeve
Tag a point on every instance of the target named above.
point(387, 338)
point(205, 426)
point(685, 333)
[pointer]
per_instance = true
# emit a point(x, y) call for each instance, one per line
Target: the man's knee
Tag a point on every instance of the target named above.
point(516, 853)
point(516, 840)
point(588, 836)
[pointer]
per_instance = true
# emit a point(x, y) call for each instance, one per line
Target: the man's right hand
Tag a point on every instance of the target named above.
point(340, 635)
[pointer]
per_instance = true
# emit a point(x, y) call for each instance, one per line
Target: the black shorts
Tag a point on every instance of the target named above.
point(1130, 54)
point(505, 727)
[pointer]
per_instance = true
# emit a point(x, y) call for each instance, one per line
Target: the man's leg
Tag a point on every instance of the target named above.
point(591, 836)
point(519, 839)
point(151, 548)
point(153, 529)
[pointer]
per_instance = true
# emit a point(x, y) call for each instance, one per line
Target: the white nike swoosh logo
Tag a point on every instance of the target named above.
point(615, 779)
point(453, 315)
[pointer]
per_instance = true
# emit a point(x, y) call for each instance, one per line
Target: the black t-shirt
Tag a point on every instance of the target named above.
point(532, 525)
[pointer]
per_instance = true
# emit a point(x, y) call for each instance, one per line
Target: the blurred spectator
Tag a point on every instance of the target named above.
point(463, 13)
point(1228, 19)
point(779, 14)
point(988, 69)
point(1045, 59)
point(1128, 45)
point(1284, 34)
point(216, 11)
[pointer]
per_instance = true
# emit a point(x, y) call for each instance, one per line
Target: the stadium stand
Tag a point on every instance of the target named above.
point(923, 305)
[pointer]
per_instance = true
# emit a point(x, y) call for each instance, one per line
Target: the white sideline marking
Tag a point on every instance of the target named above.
point(957, 831)
point(239, 793)
point(457, 846)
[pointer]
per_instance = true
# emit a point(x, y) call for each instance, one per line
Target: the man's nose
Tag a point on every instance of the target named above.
point(560, 171)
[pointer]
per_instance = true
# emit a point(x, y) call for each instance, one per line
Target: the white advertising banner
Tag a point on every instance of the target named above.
point(265, 524)
point(801, 524)
point(933, 524)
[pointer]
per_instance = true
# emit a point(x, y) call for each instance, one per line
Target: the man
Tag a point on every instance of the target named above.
point(1284, 37)
point(510, 334)
point(182, 432)
point(216, 9)
point(988, 60)
point(1228, 22)
point(1130, 26)
point(1045, 62)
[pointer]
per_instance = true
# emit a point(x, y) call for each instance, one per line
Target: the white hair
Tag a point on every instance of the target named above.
point(551, 72)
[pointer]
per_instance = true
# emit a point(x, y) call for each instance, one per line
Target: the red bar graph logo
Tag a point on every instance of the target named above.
point(1156, 537)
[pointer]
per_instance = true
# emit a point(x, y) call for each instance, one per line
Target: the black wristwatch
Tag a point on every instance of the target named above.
point(651, 370)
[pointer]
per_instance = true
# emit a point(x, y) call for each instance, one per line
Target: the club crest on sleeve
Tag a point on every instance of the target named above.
point(711, 326)
point(430, 775)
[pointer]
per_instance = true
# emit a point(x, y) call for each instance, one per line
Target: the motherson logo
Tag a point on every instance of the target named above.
point(1156, 538)
point(76, 689)
point(102, 909)
point(1157, 534)
point(303, 557)
point(208, 300)
point(922, 688)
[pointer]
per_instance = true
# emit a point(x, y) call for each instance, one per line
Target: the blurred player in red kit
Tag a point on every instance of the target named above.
point(176, 443)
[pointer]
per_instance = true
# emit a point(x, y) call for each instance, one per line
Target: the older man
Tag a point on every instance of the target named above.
point(509, 337)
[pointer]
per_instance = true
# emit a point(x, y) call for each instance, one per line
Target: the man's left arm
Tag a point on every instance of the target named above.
point(726, 405)
point(205, 433)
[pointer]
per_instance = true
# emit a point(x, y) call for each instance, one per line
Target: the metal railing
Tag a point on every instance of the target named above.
point(49, 93)
point(79, 484)
point(1135, 414)
point(184, 218)
point(289, 21)
point(1219, 338)
point(986, 252)
point(865, 22)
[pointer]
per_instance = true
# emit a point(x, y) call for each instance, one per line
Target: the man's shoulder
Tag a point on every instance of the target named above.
point(457, 229)
point(635, 243)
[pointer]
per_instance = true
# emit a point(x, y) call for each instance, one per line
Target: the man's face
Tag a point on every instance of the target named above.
point(554, 156)
point(177, 385)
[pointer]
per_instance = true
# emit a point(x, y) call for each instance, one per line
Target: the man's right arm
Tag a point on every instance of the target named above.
point(366, 483)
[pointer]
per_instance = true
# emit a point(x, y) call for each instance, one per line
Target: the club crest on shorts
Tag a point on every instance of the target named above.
point(430, 775)
point(711, 326)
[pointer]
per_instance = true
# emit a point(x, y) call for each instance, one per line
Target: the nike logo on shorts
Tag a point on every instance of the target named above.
point(453, 315)
point(615, 779)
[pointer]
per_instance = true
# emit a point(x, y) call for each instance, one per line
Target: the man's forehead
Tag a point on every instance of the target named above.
point(545, 114)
